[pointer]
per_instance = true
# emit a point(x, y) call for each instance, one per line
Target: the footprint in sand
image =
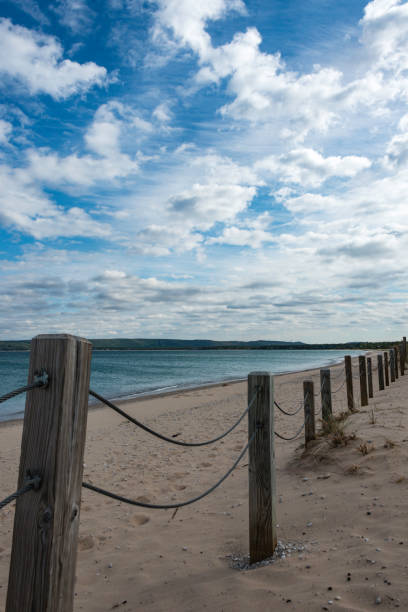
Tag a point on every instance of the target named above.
point(86, 542)
point(143, 499)
point(140, 519)
point(237, 447)
point(179, 487)
point(177, 475)
point(206, 464)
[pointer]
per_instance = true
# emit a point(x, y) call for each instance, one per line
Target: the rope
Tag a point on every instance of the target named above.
point(32, 483)
point(338, 375)
point(293, 437)
point(133, 502)
point(166, 438)
point(338, 388)
point(288, 413)
point(40, 380)
point(322, 386)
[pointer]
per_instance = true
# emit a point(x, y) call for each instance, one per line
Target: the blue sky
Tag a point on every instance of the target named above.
point(236, 170)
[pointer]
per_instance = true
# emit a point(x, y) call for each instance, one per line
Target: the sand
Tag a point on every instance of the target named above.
point(341, 510)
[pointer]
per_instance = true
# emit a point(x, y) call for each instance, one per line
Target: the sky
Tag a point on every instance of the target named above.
point(225, 169)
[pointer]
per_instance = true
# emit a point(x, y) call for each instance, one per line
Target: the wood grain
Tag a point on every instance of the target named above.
point(42, 567)
point(380, 372)
point(363, 380)
point(309, 404)
point(349, 382)
point(386, 369)
point(262, 485)
point(370, 377)
point(325, 386)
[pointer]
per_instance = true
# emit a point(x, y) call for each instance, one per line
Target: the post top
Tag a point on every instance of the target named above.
point(260, 374)
point(61, 337)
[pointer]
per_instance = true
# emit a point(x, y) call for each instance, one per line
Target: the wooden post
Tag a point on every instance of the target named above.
point(395, 349)
point(262, 484)
point(380, 372)
point(326, 394)
point(402, 359)
point(386, 369)
point(363, 380)
point(349, 382)
point(43, 556)
point(308, 399)
point(392, 365)
point(370, 377)
point(404, 342)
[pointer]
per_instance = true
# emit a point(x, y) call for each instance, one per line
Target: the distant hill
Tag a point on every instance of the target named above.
point(129, 344)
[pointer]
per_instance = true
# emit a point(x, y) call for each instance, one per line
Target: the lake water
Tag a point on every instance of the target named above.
point(117, 374)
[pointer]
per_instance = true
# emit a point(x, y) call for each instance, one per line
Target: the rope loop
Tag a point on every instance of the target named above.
point(162, 436)
point(133, 502)
point(288, 413)
point(278, 435)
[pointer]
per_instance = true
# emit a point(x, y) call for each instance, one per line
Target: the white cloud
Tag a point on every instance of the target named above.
point(161, 240)
point(162, 112)
point(74, 14)
point(385, 33)
point(254, 235)
point(35, 60)
point(187, 20)
point(5, 130)
point(103, 138)
point(24, 207)
point(205, 204)
point(309, 168)
point(397, 149)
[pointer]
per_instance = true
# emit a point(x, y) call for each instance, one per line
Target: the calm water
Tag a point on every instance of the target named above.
point(127, 373)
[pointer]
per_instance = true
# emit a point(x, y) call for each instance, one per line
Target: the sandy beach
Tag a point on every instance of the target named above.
point(341, 509)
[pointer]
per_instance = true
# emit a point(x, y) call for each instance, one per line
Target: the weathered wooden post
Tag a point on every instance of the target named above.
point(325, 386)
point(363, 380)
point(380, 372)
point(43, 556)
point(404, 342)
point(392, 365)
point(402, 359)
point(349, 382)
point(395, 349)
point(262, 484)
point(370, 377)
point(308, 399)
point(386, 369)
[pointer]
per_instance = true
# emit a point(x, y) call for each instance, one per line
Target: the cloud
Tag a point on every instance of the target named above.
point(161, 240)
point(254, 235)
point(31, 8)
point(5, 130)
point(397, 149)
point(162, 112)
point(385, 33)
point(187, 21)
point(35, 60)
point(103, 139)
point(74, 14)
point(205, 204)
point(309, 168)
point(25, 208)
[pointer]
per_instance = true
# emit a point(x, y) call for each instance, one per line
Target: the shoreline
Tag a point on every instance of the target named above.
point(125, 400)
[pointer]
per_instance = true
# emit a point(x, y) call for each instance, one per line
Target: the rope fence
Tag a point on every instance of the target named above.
point(62, 449)
point(162, 436)
point(169, 506)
